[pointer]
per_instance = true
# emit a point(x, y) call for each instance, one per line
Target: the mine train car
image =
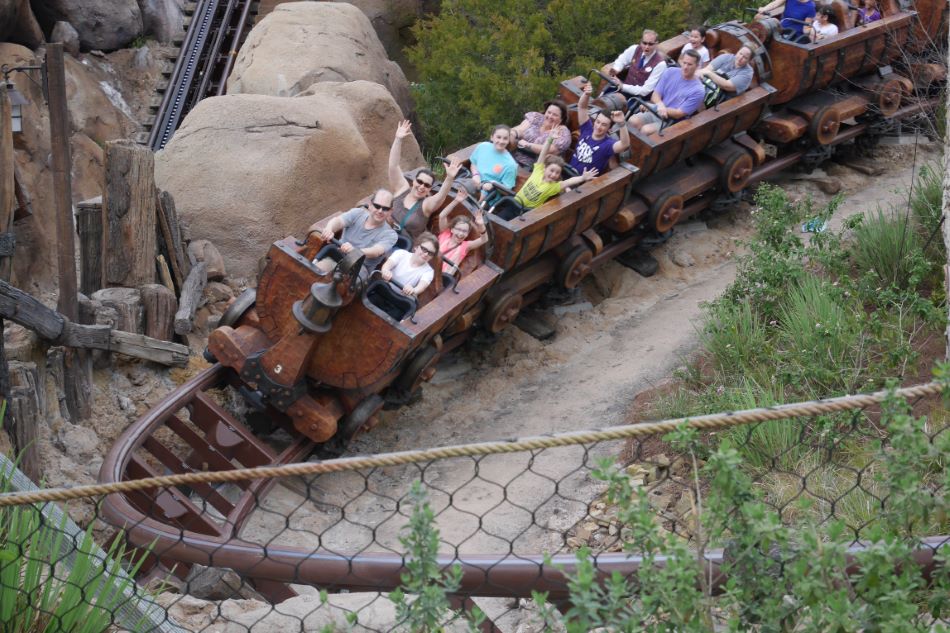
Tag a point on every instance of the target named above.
point(313, 346)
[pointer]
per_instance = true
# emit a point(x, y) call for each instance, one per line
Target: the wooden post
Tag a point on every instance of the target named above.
point(128, 213)
point(7, 181)
point(160, 306)
point(190, 297)
point(7, 203)
point(171, 235)
point(89, 226)
point(77, 368)
point(25, 408)
point(68, 304)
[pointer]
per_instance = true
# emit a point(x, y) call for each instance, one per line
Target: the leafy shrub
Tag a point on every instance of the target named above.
point(887, 246)
point(926, 205)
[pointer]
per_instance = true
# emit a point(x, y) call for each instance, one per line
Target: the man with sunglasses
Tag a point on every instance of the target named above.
point(364, 228)
point(414, 203)
point(638, 69)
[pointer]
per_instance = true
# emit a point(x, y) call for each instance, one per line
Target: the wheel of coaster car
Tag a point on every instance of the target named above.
point(665, 212)
point(574, 267)
point(244, 302)
point(823, 127)
point(889, 97)
point(419, 369)
point(353, 422)
point(502, 311)
point(735, 172)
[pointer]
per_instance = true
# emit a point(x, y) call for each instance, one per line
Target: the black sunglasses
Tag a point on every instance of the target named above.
point(425, 184)
point(381, 207)
point(426, 250)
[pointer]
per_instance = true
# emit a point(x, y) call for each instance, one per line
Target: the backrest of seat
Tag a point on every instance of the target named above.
point(841, 19)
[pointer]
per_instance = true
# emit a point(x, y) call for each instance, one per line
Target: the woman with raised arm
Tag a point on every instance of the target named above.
point(415, 203)
point(453, 235)
point(531, 133)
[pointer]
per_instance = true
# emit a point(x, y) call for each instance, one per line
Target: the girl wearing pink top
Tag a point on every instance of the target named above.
point(452, 235)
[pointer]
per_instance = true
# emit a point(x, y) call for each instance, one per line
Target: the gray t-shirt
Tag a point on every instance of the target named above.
point(741, 78)
point(356, 233)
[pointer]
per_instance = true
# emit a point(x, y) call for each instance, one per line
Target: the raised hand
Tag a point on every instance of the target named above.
point(461, 195)
point(588, 88)
point(590, 173)
point(404, 129)
point(453, 168)
point(616, 116)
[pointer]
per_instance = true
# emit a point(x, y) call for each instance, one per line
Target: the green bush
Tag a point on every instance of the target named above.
point(886, 245)
point(926, 205)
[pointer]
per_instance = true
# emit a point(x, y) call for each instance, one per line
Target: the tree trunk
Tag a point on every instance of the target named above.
point(128, 209)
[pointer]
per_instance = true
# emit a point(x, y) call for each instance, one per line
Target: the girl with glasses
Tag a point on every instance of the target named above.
point(411, 270)
point(453, 234)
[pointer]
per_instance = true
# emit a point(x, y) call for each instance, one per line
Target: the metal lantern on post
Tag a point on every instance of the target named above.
point(17, 101)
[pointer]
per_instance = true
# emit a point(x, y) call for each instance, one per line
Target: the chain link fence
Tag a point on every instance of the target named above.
point(633, 528)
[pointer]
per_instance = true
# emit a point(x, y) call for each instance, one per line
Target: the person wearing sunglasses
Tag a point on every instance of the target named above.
point(637, 70)
point(365, 228)
point(412, 269)
point(414, 203)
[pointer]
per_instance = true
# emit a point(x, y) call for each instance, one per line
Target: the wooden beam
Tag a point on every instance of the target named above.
point(128, 207)
point(68, 303)
point(171, 235)
point(7, 181)
point(21, 308)
point(190, 296)
point(89, 227)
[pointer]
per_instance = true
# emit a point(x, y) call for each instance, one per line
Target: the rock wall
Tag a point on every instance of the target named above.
point(246, 170)
point(303, 43)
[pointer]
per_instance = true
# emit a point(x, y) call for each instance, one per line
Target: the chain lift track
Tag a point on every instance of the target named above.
point(216, 31)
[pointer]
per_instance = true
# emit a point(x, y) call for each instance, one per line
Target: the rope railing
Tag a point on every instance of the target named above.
point(711, 422)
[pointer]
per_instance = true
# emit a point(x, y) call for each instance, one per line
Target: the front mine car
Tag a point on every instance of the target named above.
point(313, 345)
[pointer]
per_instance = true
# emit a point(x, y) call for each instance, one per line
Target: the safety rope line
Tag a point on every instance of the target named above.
point(709, 422)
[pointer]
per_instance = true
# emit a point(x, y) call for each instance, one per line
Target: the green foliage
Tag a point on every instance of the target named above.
point(424, 578)
point(887, 247)
point(39, 593)
point(485, 62)
point(926, 205)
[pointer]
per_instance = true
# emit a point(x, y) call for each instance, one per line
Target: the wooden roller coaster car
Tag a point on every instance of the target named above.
point(313, 346)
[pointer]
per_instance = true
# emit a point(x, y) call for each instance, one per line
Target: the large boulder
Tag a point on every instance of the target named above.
point(103, 25)
point(94, 118)
point(392, 20)
point(246, 170)
point(163, 19)
point(18, 25)
point(302, 43)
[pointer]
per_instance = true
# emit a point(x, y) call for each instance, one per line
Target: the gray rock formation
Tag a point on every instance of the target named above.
point(103, 25)
point(18, 25)
point(65, 33)
point(303, 43)
point(246, 170)
point(163, 19)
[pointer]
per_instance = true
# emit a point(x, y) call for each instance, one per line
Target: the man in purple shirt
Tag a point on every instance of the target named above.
point(595, 147)
point(678, 95)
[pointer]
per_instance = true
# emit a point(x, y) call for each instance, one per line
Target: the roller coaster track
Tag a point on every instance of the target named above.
point(216, 30)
